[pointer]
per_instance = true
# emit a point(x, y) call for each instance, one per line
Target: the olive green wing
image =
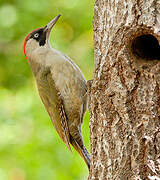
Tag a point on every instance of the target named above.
point(53, 103)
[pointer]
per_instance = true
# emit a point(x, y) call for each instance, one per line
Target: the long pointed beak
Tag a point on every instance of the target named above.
point(50, 25)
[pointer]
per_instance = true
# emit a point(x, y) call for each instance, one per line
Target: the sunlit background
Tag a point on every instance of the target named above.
point(30, 149)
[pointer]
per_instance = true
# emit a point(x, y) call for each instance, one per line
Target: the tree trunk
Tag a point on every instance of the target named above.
point(125, 93)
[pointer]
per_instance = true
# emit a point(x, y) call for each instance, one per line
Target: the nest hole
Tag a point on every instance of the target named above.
point(146, 47)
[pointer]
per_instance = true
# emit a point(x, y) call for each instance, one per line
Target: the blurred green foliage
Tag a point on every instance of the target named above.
point(30, 148)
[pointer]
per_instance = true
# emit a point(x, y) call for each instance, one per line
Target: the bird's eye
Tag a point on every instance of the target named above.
point(36, 35)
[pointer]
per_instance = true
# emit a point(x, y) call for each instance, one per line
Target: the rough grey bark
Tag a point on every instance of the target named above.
point(125, 93)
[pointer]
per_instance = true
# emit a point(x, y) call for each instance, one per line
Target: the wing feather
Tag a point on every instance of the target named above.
point(53, 102)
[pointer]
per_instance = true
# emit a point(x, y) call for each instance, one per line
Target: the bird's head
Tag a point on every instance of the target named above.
point(38, 37)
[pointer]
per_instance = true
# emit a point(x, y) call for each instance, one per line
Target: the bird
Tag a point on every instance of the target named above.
point(61, 86)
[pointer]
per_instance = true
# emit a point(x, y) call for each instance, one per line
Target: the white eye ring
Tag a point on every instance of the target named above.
point(36, 35)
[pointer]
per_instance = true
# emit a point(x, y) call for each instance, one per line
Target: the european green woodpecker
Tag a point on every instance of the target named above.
point(61, 85)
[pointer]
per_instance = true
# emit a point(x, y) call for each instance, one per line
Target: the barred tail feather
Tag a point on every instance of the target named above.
point(82, 151)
